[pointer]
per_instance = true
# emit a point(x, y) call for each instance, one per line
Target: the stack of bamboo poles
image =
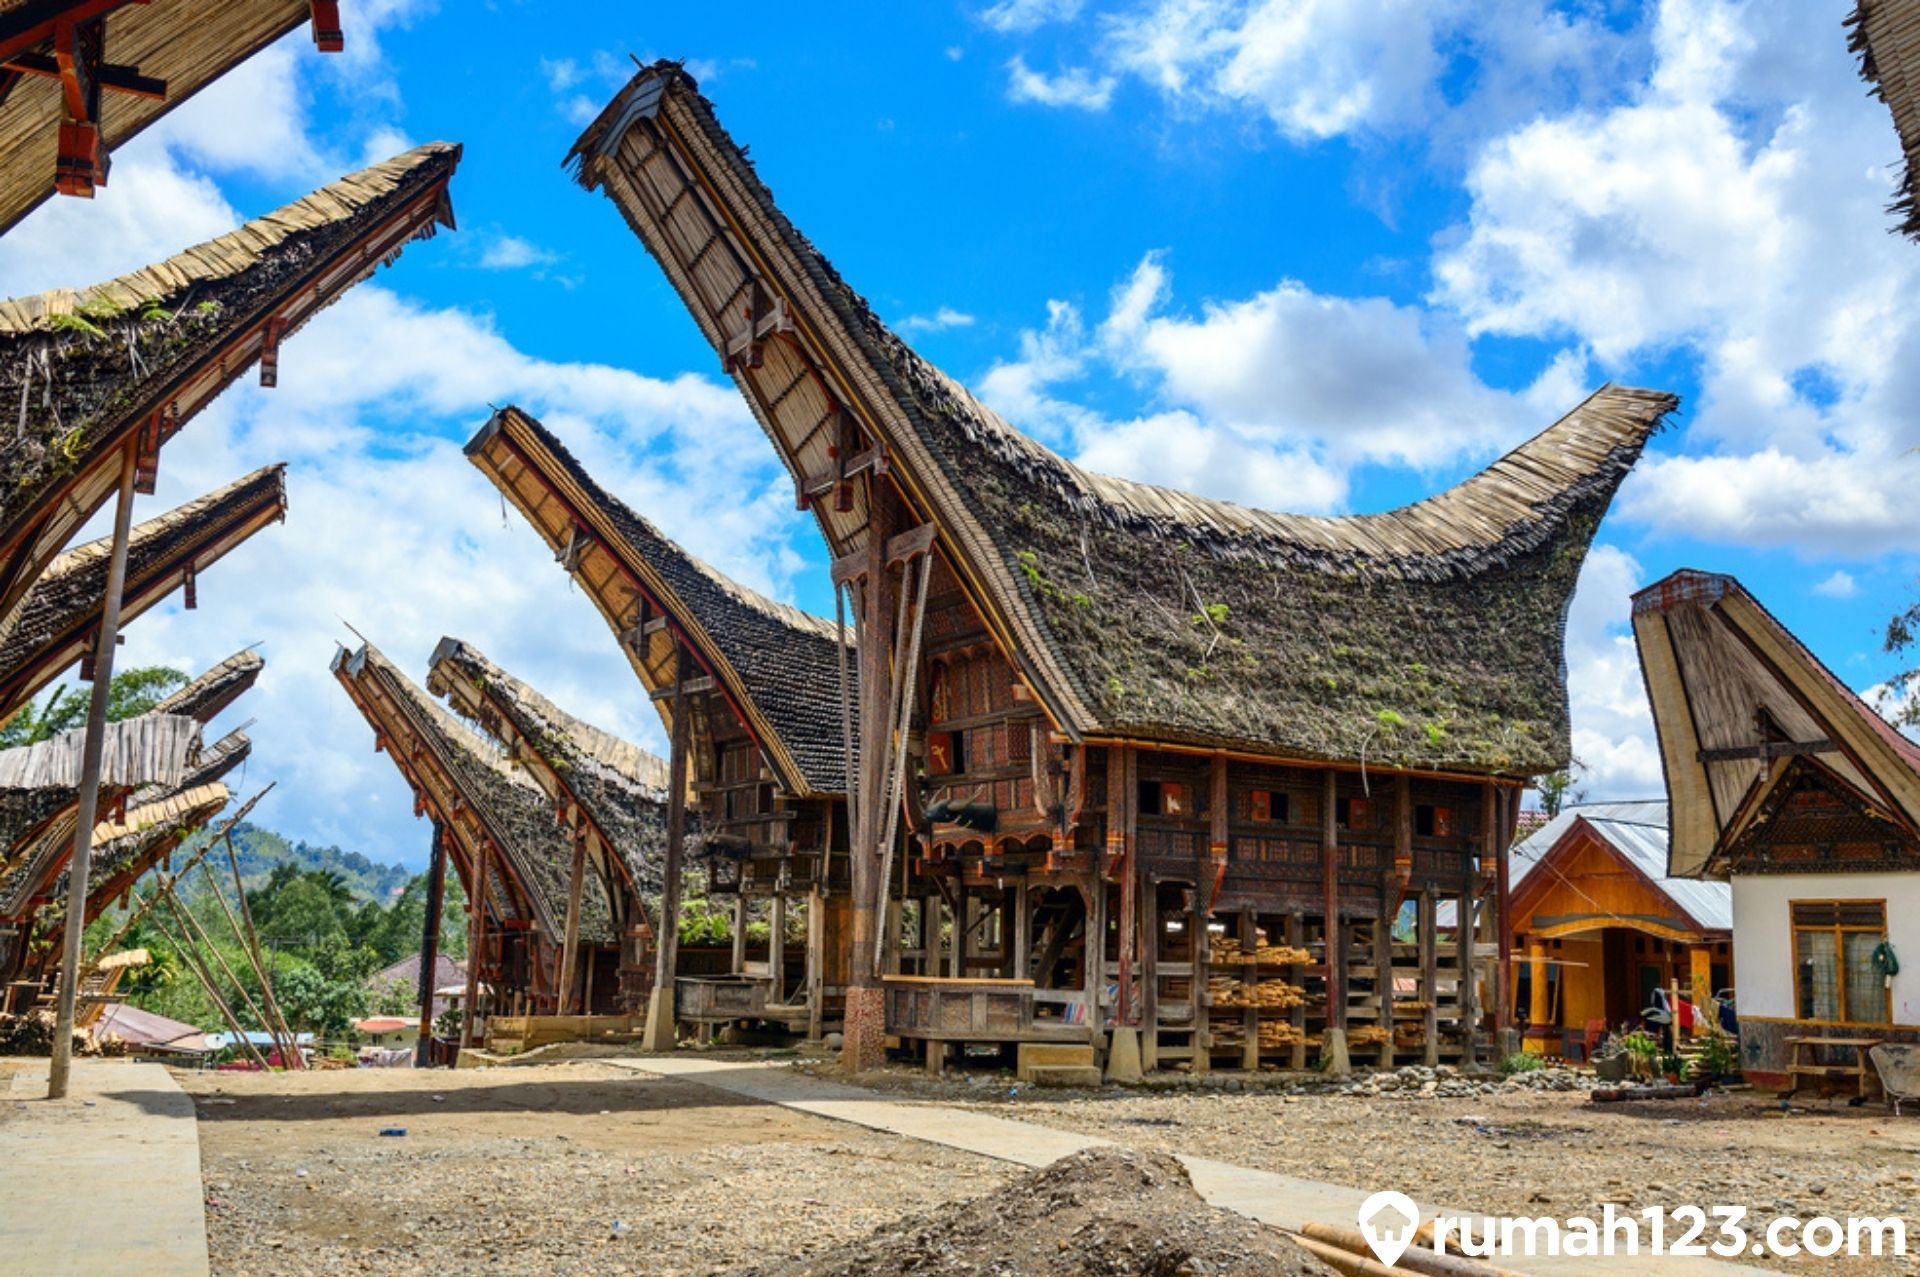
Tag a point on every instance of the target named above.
point(1346, 1251)
point(1274, 992)
point(190, 940)
point(1276, 1035)
point(1366, 1035)
point(1227, 951)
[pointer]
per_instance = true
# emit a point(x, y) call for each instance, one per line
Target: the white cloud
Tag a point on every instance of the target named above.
point(1840, 585)
point(561, 73)
point(1733, 209)
point(942, 319)
point(251, 119)
point(152, 211)
point(1021, 16)
point(1073, 86)
point(1613, 738)
point(1269, 400)
point(510, 252)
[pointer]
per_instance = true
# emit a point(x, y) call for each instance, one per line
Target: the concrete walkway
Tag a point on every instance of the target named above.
point(106, 1181)
point(1284, 1201)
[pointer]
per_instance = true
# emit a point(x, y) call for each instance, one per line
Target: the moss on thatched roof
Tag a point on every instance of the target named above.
point(60, 616)
point(99, 367)
point(778, 666)
point(1886, 36)
point(527, 838)
point(186, 43)
point(1428, 636)
point(619, 787)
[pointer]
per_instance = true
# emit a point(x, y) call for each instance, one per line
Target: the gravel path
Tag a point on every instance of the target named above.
point(1516, 1152)
point(556, 1169)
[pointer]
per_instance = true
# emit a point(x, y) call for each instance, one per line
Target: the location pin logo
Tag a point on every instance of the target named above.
point(1387, 1221)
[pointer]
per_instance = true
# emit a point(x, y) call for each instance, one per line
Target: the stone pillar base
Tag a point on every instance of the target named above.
point(660, 1035)
point(1509, 1040)
point(1333, 1053)
point(1123, 1056)
point(863, 1045)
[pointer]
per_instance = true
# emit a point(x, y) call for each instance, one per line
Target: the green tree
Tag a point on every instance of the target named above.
point(1556, 791)
point(132, 692)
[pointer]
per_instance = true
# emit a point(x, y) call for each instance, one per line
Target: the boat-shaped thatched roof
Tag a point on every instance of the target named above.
point(131, 360)
point(60, 617)
point(777, 666)
point(125, 848)
point(1429, 636)
point(185, 43)
point(1886, 36)
point(36, 824)
point(478, 795)
point(619, 789)
point(1737, 699)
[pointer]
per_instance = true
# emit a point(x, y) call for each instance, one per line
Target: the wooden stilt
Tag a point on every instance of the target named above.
point(1336, 947)
point(476, 944)
point(92, 748)
point(429, 942)
point(739, 934)
point(777, 947)
point(661, 1030)
point(816, 962)
point(1429, 907)
point(570, 942)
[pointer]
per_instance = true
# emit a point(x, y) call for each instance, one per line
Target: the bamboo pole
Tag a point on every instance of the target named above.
point(252, 937)
point(191, 925)
point(430, 944)
point(61, 1065)
point(276, 1023)
point(206, 982)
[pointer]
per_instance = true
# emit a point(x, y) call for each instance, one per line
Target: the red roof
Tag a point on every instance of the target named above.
point(382, 1024)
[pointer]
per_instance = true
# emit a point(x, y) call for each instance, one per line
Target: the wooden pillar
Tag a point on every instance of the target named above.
point(1700, 957)
point(430, 943)
point(1249, 937)
point(1493, 807)
point(816, 961)
point(1469, 997)
point(1122, 800)
point(1383, 970)
point(570, 945)
point(864, 1038)
point(476, 943)
point(962, 906)
point(661, 1028)
point(92, 749)
point(1022, 930)
point(739, 962)
point(777, 946)
point(1539, 1009)
point(1093, 951)
point(1336, 944)
point(1429, 908)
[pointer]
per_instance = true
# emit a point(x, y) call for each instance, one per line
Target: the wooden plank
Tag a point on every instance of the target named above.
point(1335, 943)
point(1429, 931)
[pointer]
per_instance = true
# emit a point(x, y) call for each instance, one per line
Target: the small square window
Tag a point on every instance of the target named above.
point(1269, 805)
point(1430, 821)
point(946, 753)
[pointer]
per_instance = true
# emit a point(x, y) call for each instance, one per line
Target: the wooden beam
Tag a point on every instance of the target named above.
point(685, 687)
point(570, 941)
point(429, 941)
point(1336, 955)
point(1766, 749)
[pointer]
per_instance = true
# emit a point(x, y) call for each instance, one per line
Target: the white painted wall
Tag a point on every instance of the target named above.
point(1763, 935)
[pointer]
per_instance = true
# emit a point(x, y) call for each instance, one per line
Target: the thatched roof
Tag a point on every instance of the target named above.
point(1427, 636)
point(1886, 36)
point(127, 848)
point(36, 825)
point(619, 788)
point(1736, 700)
point(59, 619)
point(134, 358)
point(777, 666)
point(150, 749)
point(186, 43)
point(477, 793)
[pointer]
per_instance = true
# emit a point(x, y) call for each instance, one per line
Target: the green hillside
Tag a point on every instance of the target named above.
point(261, 850)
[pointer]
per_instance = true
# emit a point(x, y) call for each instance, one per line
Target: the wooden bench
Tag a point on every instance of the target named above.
point(1802, 1065)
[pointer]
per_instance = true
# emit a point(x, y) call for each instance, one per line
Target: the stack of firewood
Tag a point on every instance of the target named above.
point(1225, 991)
point(1366, 1035)
point(1227, 951)
point(1278, 993)
point(1278, 1034)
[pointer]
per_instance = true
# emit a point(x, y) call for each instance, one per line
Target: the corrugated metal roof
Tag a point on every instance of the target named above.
point(1639, 832)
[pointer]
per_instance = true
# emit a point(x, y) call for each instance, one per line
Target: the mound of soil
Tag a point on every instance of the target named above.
point(1110, 1212)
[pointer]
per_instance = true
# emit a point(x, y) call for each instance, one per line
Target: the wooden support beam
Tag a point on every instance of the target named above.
point(1430, 970)
point(1765, 750)
point(112, 76)
point(1336, 946)
point(429, 942)
point(696, 686)
point(777, 947)
point(570, 941)
point(476, 942)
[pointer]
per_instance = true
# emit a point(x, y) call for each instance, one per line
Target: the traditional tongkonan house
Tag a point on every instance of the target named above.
point(80, 77)
point(610, 797)
point(59, 621)
point(506, 841)
point(125, 364)
point(1601, 925)
point(37, 823)
point(1785, 784)
point(1886, 36)
point(747, 689)
point(1173, 765)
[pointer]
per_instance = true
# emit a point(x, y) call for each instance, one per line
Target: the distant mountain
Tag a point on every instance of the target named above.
point(261, 849)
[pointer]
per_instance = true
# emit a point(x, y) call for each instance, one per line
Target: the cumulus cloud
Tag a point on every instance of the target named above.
point(1733, 210)
point(1071, 86)
point(1029, 15)
point(510, 252)
point(1613, 738)
point(1840, 585)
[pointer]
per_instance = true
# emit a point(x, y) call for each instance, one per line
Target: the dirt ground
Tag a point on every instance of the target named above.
point(1517, 1153)
point(556, 1169)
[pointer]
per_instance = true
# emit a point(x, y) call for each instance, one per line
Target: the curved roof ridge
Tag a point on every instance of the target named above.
point(1521, 496)
point(597, 746)
point(225, 254)
point(456, 729)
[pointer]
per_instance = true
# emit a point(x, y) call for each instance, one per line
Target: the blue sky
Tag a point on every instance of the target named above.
point(1324, 255)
